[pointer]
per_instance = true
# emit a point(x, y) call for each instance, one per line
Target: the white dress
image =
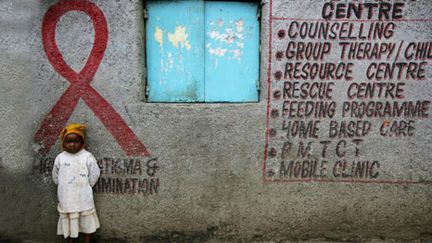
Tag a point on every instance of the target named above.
point(75, 175)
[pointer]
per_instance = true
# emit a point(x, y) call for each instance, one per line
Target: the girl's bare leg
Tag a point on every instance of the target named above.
point(69, 240)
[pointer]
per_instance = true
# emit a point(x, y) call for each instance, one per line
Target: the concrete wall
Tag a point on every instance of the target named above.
point(229, 171)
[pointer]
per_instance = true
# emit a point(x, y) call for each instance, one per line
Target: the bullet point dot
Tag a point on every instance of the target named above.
point(272, 132)
point(281, 34)
point(274, 113)
point(279, 55)
point(272, 152)
point(278, 75)
point(270, 173)
point(276, 94)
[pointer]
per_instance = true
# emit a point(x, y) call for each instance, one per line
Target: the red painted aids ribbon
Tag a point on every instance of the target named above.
point(80, 82)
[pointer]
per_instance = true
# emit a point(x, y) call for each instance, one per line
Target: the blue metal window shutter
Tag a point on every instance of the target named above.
point(202, 51)
point(175, 57)
point(232, 51)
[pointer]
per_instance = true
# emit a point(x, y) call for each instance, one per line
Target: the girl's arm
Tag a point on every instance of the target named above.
point(55, 171)
point(93, 169)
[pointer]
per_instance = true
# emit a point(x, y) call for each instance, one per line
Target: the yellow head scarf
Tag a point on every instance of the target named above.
point(76, 128)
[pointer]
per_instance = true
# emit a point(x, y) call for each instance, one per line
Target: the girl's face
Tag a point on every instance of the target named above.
point(73, 143)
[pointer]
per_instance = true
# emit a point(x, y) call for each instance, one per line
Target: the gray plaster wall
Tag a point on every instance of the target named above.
point(211, 161)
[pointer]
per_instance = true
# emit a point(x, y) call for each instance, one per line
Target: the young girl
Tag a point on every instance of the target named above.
point(75, 171)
